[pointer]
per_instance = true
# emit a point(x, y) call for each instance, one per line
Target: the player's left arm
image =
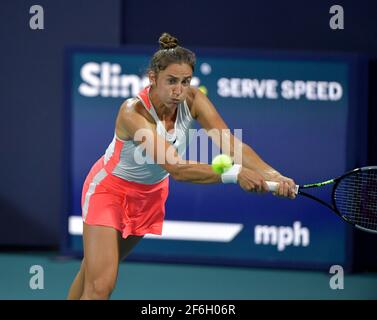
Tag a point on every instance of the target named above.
point(206, 114)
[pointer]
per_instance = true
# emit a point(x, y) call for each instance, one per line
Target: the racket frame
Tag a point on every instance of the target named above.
point(333, 206)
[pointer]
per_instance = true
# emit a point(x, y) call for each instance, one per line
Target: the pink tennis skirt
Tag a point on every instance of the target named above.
point(130, 207)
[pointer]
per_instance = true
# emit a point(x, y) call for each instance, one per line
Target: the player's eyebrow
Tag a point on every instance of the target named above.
point(174, 77)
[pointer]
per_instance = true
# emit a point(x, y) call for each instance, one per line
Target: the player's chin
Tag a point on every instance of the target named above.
point(172, 104)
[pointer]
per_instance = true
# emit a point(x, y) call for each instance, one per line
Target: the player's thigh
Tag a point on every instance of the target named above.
point(126, 245)
point(101, 253)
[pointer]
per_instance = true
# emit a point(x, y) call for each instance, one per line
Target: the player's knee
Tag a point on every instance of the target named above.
point(99, 289)
point(103, 287)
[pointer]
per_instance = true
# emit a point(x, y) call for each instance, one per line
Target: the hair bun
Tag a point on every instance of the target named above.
point(167, 41)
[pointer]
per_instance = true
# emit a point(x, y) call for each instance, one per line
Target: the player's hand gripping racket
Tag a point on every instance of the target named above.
point(354, 197)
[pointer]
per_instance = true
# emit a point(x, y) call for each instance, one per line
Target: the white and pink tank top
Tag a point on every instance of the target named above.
point(124, 156)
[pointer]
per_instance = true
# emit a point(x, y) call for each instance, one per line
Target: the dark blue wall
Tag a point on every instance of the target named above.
point(270, 24)
point(31, 192)
point(31, 85)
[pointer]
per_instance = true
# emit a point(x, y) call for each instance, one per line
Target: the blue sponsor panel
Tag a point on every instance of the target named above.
point(294, 111)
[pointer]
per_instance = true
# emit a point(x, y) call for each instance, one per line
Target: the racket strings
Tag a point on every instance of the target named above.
point(356, 198)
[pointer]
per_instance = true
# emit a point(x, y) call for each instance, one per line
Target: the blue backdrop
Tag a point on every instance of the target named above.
point(302, 114)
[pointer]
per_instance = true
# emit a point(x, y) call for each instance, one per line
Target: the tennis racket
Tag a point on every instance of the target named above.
point(354, 197)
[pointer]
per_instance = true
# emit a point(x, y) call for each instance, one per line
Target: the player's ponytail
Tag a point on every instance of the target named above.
point(170, 52)
point(167, 41)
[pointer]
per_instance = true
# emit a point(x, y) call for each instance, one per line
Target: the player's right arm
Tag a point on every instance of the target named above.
point(132, 124)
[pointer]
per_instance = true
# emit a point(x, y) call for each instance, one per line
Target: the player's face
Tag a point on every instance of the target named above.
point(172, 84)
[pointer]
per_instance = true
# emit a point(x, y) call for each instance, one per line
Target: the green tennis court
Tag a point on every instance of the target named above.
point(155, 281)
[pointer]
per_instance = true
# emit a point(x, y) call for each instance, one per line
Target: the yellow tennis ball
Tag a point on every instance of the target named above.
point(203, 89)
point(221, 163)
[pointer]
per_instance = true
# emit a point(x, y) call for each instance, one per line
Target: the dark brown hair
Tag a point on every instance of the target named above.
point(170, 52)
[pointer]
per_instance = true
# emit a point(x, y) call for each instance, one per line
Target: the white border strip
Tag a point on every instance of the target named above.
point(181, 230)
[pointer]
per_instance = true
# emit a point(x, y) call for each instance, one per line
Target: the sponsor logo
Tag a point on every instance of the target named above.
point(107, 79)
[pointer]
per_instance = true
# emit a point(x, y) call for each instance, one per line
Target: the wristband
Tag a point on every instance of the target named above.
point(231, 175)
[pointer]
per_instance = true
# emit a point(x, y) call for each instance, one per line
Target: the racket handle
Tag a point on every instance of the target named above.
point(273, 186)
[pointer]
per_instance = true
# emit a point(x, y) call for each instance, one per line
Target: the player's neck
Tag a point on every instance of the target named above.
point(162, 110)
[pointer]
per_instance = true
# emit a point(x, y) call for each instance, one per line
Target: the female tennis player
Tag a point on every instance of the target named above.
point(124, 198)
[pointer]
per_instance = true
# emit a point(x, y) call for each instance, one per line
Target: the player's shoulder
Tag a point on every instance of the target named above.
point(191, 96)
point(191, 93)
point(133, 108)
point(131, 116)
